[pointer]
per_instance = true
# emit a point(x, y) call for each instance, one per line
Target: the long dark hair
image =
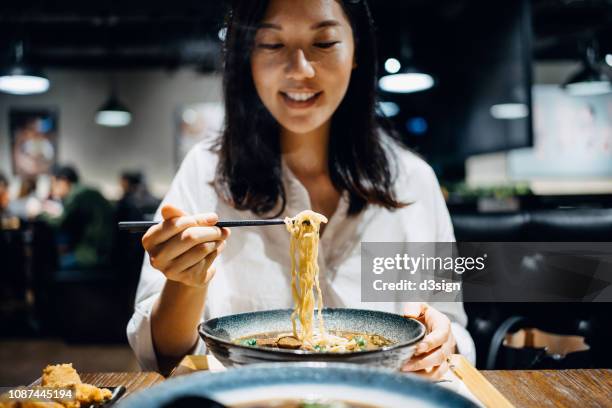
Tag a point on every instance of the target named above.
point(249, 169)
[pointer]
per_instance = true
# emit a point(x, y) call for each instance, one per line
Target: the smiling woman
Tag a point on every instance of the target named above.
point(300, 134)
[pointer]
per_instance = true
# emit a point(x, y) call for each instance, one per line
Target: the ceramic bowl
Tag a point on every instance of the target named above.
point(220, 334)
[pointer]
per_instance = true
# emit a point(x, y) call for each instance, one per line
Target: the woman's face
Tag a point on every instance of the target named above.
point(302, 61)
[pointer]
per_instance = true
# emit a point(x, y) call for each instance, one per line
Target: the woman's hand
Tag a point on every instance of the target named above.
point(183, 247)
point(430, 357)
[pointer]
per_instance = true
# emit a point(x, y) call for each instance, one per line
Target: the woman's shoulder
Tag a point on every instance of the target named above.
point(192, 187)
point(201, 161)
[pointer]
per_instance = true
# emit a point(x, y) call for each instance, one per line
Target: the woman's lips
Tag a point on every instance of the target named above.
point(292, 103)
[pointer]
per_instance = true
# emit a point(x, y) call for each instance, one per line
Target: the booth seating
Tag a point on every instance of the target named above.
point(490, 322)
point(84, 305)
point(13, 281)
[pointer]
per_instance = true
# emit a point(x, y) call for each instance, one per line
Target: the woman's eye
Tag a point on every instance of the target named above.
point(326, 44)
point(275, 46)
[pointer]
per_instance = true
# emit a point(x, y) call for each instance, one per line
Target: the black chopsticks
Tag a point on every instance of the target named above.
point(142, 226)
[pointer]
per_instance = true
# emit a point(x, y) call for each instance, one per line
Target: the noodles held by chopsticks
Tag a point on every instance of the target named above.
point(304, 249)
point(304, 230)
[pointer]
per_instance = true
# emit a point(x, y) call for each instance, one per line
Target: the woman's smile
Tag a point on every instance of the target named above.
point(300, 100)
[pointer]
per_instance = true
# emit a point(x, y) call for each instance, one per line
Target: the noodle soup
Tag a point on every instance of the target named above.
point(390, 339)
point(330, 342)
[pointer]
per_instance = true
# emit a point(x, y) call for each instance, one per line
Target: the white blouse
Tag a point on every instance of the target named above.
point(253, 272)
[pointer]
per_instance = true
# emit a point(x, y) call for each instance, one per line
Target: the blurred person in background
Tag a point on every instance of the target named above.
point(85, 225)
point(137, 203)
point(27, 204)
point(4, 194)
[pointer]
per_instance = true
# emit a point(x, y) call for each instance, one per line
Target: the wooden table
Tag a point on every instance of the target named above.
point(554, 388)
point(542, 388)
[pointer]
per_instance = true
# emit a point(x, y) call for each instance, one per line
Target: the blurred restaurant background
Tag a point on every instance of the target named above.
point(509, 101)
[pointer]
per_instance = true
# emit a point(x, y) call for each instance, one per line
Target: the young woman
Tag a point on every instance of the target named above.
point(300, 133)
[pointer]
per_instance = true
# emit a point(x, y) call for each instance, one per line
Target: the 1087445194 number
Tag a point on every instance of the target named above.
point(37, 394)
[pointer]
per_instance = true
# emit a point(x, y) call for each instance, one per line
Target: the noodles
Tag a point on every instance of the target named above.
point(304, 230)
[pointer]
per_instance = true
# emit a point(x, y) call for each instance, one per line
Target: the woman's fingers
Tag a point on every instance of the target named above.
point(183, 247)
point(202, 272)
point(414, 309)
point(169, 211)
point(432, 359)
point(437, 373)
point(439, 331)
point(175, 224)
point(424, 368)
point(209, 269)
point(183, 242)
point(192, 256)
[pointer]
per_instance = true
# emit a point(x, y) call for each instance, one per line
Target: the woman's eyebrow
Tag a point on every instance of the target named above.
point(269, 25)
point(316, 26)
point(324, 24)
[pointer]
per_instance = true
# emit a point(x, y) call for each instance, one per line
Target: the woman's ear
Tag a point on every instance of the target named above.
point(354, 62)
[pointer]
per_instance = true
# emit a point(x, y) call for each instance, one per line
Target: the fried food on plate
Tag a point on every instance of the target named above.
point(64, 376)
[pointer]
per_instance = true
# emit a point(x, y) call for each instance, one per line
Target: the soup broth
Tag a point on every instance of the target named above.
point(351, 342)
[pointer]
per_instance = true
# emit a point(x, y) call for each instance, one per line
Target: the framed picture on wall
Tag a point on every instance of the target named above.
point(197, 122)
point(33, 134)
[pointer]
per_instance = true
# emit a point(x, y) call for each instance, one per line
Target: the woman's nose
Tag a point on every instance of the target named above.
point(298, 66)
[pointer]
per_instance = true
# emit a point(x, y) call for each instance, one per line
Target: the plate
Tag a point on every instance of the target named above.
point(380, 388)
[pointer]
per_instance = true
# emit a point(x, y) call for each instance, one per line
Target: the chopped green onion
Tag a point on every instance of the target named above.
point(361, 342)
point(315, 405)
point(249, 342)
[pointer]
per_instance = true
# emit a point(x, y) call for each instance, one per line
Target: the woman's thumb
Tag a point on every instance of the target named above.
point(414, 309)
point(169, 211)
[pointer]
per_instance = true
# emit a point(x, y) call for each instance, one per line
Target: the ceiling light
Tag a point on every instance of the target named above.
point(509, 111)
point(392, 66)
point(406, 82)
point(417, 126)
point(21, 79)
point(113, 113)
point(590, 88)
point(589, 80)
point(609, 59)
point(389, 109)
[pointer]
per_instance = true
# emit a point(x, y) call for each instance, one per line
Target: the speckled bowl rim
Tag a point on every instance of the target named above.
point(287, 352)
point(389, 381)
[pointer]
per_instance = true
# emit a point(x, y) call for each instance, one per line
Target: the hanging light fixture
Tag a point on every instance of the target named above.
point(589, 80)
point(113, 113)
point(22, 79)
point(406, 82)
point(404, 79)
